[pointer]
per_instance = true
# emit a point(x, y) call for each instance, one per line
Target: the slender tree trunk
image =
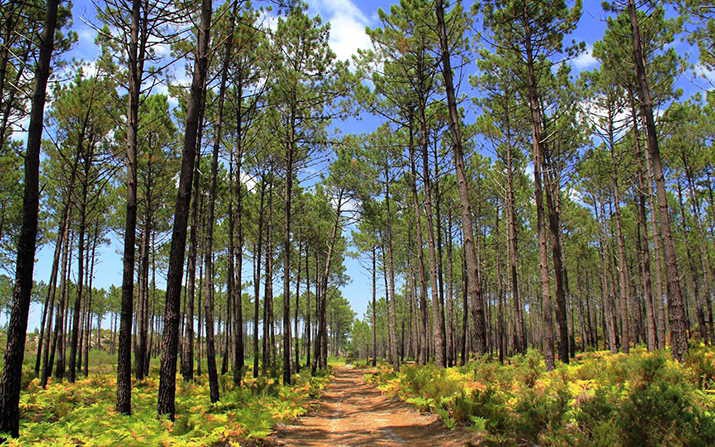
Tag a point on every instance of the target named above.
point(208, 254)
point(170, 342)
point(644, 251)
point(389, 271)
point(512, 248)
point(297, 308)
point(539, 194)
point(187, 368)
point(88, 330)
point(321, 339)
point(135, 66)
point(437, 305)
point(473, 285)
point(374, 306)
point(623, 278)
point(231, 297)
point(676, 308)
point(609, 321)
point(62, 233)
point(268, 287)
point(423, 355)
point(257, 276)
point(286, 255)
point(553, 199)
point(10, 381)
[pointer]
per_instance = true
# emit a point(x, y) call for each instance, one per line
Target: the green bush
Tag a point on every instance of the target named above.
point(661, 413)
point(541, 412)
point(600, 399)
point(595, 419)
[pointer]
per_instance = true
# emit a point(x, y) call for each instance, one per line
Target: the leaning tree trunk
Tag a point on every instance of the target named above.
point(170, 341)
point(10, 381)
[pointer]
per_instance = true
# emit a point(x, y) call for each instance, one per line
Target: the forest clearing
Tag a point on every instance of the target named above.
point(341, 222)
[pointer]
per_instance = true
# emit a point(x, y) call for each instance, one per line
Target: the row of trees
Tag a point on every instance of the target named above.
point(548, 222)
point(586, 220)
point(252, 136)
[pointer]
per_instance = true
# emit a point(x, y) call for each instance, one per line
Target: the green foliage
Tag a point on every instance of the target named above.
point(600, 399)
point(83, 413)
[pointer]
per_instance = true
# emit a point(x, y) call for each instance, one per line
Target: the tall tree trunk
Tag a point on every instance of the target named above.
point(88, 330)
point(437, 305)
point(297, 308)
point(238, 349)
point(135, 58)
point(286, 252)
point(552, 189)
point(609, 321)
point(10, 381)
point(187, 368)
point(512, 241)
point(208, 254)
point(59, 322)
point(231, 296)
point(538, 153)
point(676, 308)
point(257, 275)
point(321, 360)
point(62, 233)
point(268, 287)
point(374, 306)
point(643, 245)
point(308, 328)
point(473, 285)
point(622, 276)
point(170, 341)
point(423, 355)
point(389, 271)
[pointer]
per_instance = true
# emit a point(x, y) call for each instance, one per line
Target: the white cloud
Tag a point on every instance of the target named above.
point(86, 34)
point(248, 180)
point(701, 71)
point(347, 26)
point(89, 69)
point(585, 60)
point(268, 20)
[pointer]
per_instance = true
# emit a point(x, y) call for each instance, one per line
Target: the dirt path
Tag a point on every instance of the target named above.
point(354, 413)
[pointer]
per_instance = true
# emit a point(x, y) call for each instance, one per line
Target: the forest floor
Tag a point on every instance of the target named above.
point(352, 412)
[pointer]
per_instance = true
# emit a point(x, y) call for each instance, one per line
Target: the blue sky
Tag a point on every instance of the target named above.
point(348, 20)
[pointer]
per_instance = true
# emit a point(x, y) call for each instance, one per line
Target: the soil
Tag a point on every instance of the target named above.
point(352, 412)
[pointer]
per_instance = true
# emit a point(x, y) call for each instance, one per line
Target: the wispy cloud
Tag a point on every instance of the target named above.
point(585, 60)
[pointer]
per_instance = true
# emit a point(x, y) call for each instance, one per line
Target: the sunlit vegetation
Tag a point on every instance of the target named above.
point(83, 413)
point(604, 399)
point(523, 192)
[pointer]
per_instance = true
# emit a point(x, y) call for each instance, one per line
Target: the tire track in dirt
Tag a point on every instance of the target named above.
point(353, 413)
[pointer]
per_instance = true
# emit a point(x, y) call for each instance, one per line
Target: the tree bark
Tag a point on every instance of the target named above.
point(170, 341)
point(473, 285)
point(676, 308)
point(10, 381)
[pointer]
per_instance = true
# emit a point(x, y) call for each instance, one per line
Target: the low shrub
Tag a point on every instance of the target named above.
point(601, 399)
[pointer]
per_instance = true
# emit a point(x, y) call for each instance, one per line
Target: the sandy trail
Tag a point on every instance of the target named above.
point(354, 413)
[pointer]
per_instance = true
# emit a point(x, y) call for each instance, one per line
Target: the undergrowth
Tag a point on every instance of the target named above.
point(600, 399)
point(83, 413)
